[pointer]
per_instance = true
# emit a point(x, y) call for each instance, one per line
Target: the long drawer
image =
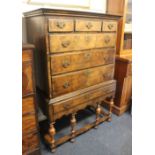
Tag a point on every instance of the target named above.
point(72, 103)
point(82, 41)
point(69, 82)
point(66, 62)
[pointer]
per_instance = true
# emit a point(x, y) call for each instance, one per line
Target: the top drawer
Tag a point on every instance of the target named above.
point(87, 25)
point(61, 25)
point(109, 26)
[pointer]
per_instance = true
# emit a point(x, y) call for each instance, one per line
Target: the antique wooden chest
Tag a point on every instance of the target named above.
point(75, 55)
point(30, 137)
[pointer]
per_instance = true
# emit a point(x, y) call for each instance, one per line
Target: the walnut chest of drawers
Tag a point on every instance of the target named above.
point(30, 138)
point(75, 54)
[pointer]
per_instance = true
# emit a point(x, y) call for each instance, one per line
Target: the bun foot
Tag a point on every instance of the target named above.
point(96, 127)
point(72, 140)
point(109, 119)
point(53, 150)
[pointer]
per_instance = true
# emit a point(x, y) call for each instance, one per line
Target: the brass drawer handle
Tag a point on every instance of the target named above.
point(108, 59)
point(66, 85)
point(65, 63)
point(87, 73)
point(65, 43)
point(87, 56)
point(89, 25)
point(106, 76)
point(107, 39)
point(110, 26)
point(87, 97)
point(60, 25)
point(66, 106)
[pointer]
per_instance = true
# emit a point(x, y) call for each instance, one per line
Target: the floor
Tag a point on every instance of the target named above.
point(114, 138)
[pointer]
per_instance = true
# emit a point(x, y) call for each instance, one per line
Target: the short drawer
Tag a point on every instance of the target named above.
point(27, 78)
point(72, 42)
point(106, 40)
point(109, 26)
point(69, 82)
point(88, 25)
point(30, 142)
point(61, 25)
point(28, 123)
point(67, 62)
point(28, 105)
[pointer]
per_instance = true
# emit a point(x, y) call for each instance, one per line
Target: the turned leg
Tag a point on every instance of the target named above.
point(98, 112)
point(73, 124)
point(110, 109)
point(52, 133)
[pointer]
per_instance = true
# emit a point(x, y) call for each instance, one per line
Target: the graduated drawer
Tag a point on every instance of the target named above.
point(109, 26)
point(61, 25)
point(30, 142)
point(71, 42)
point(28, 105)
point(69, 82)
point(87, 25)
point(67, 62)
point(28, 122)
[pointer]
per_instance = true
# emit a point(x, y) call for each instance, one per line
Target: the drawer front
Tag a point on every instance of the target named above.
point(71, 42)
point(67, 62)
point(88, 25)
point(80, 99)
point(27, 55)
point(28, 123)
point(27, 82)
point(61, 25)
point(66, 83)
point(106, 40)
point(109, 26)
point(30, 142)
point(28, 105)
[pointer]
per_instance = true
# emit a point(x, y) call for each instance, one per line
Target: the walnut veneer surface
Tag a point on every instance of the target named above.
point(30, 138)
point(75, 59)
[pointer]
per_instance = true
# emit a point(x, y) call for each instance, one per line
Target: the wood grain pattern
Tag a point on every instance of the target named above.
point(71, 42)
point(27, 55)
point(66, 83)
point(28, 105)
point(28, 123)
point(61, 25)
point(67, 62)
point(109, 26)
point(123, 72)
point(80, 99)
point(27, 81)
point(88, 25)
point(75, 63)
point(30, 143)
point(30, 139)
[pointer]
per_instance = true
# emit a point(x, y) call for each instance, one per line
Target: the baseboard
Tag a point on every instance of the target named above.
point(120, 110)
